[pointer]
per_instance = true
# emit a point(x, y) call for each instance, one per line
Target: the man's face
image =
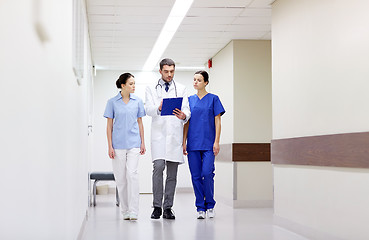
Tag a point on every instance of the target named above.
point(167, 73)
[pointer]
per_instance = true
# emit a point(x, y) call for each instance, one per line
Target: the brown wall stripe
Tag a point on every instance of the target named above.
point(251, 152)
point(244, 152)
point(338, 150)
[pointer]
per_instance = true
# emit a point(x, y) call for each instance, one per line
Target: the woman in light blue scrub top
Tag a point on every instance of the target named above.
point(202, 133)
point(125, 133)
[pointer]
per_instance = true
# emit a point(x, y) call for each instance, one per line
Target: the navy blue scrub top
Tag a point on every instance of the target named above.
point(201, 130)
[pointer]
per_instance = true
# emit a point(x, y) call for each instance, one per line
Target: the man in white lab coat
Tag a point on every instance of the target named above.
point(166, 137)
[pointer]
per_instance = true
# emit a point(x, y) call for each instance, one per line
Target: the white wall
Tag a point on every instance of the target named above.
point(323, 200)
point(320, 82)
point(221, 83)
point(319, 67)
point(104, 88)
point(43, 126)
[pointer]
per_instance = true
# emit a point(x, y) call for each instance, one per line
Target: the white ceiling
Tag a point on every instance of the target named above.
point(123, 32)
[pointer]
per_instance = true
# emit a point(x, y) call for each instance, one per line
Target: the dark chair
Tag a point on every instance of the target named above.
point(103, 176)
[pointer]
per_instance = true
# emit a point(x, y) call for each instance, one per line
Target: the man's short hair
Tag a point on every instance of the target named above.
point(167, 61)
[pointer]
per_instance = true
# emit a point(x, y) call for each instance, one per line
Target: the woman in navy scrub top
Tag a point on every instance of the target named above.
point(202, 132)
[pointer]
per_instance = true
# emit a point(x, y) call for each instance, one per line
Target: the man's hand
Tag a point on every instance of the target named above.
point(179, 114)
point(161, 104)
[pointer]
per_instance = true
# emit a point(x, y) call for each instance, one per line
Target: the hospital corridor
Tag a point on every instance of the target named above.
point(246, 223)
point(211, 119)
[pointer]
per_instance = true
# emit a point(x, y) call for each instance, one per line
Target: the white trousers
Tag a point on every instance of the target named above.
point(125, 168)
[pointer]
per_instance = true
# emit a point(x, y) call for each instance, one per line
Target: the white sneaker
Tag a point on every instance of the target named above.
point(211, 213)
point(133, 216)
point(200, 215)
point(126, 216)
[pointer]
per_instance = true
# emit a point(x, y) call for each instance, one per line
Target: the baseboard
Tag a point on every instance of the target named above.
point(252, 203)
point(244, 203)
point(83, 226)
point(184, 190)
point(178, 190)
point(224, 200)
point(303, 230)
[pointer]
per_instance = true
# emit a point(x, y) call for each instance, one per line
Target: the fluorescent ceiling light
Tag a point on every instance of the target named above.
point(178, 12)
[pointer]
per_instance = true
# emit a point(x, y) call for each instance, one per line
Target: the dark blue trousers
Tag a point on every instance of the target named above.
point(202, 171)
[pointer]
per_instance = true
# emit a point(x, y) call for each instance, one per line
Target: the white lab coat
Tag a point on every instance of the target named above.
point(166, 131)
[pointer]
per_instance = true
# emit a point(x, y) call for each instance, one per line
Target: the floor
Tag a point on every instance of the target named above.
point(105, 222)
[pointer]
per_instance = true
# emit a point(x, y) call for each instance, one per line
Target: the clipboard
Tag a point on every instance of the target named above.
point(169, 104)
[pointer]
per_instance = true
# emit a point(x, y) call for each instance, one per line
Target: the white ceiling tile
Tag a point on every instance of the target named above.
point(144, 11)
point(221, 3)
point(122, 33)
point(203, 20)
point(267, 12)
point(267, 36)
point(157, 19)
point(198, 28)
point(101, 18)
point(100, 2)
point(199, 34)
point(261, 4)
point(244, 35)
point(214, 12)
point(101, 9)
point(248, 28)
point(252, 20)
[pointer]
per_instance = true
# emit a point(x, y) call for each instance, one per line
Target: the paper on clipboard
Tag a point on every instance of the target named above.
point(169, 104)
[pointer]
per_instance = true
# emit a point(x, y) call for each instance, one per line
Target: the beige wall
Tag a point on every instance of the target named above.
point(253, 91)
point(253, 119)
point(241, 76)
point(320, 82)
point(255, 184)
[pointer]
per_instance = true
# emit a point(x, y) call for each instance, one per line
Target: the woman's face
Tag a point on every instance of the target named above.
point(129, 86)
point(198, 82)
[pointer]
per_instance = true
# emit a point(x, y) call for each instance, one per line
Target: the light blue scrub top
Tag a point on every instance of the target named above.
point(126, 134)
point(201, 130)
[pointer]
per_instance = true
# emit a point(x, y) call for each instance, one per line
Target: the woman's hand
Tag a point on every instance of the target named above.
point(216, 148)
point(142, 149)
point(184, 149)
point(111, 153)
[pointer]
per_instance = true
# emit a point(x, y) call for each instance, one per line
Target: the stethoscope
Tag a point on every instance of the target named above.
point(161, 88)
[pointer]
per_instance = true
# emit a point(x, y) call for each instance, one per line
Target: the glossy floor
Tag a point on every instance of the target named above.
point(105, 222)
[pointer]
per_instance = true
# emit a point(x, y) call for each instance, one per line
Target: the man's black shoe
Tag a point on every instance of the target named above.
point(156, 213)
point(168, 214)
